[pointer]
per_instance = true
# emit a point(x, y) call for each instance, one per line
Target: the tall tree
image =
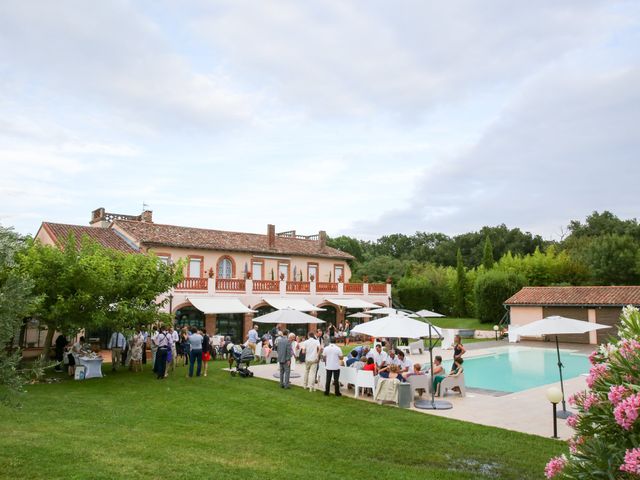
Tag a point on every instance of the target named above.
point(461, 281)
point(487, 256)
point(83, 284)
point(17, 301)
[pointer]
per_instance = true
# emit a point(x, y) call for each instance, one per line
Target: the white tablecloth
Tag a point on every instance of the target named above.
point(93, 367)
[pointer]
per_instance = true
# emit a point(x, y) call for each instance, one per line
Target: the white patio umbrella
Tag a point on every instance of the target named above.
point(359, 315)
point(288, 316)
point(556, 325)
point(386, 311)
point(397, 326)
point(427, 314)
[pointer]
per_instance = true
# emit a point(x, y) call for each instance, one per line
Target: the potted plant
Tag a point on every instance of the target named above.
point(389, 280)
point(211, 272)
point(312, 277)
point(248, 275)
point(282, 276)
point(341, 278)
point(365, 279)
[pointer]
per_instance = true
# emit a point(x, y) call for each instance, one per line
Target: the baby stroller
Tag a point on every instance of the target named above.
point(243, 356)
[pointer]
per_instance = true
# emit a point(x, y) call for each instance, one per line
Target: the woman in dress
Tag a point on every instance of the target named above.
point(347, 331)
point(136, 352)
point(206, 350)
point(458, 348)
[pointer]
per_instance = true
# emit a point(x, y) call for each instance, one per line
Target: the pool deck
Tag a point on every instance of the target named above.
point(527, 411)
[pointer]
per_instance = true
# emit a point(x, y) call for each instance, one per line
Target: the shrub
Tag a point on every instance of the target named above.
point(607, 438)
point(491, 289)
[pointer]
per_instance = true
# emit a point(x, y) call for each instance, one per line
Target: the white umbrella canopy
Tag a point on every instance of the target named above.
point(427, 314)
point(359, 315)
point(557, 325)
point(397, 326)
point(288, 316)
point(386, 311)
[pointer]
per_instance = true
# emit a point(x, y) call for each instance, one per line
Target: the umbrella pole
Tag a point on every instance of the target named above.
point(563, 413)
point(433, 404)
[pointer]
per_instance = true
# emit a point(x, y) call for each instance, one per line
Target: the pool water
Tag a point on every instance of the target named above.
point(519, 368)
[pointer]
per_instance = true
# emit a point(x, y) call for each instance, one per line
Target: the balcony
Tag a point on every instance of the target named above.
point(237, 285)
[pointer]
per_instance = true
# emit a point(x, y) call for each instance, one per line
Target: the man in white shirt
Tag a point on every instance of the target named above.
point(332, 354)
point(117, 343)
point(380, 357)
point(311, 349)
point(393, 358)
point(404, 362)
point(252, 338)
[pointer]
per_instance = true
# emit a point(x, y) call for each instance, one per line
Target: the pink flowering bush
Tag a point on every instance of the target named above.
point(607, 439)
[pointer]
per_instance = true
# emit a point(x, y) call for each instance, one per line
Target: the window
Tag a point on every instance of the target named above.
point(164, 259)
point(225, 268)
point(283, 269)
point(312, 269)
point(338, 272)
point(195, 267)
point(256, 270)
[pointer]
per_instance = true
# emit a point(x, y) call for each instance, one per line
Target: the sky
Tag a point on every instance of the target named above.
point(358, 118)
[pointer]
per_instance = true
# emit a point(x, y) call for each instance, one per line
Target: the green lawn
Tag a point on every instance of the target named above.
point(130, 425)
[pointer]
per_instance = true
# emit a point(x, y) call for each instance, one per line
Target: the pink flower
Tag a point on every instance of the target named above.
point(572, 421)
point(575, 398)
point(595, 373)
point(555, 466)
point(631, 461)
point(593, 357)
point(574, 443)
point(589, 401)
point(626, 413)
point(629, 348)
point(617, 394)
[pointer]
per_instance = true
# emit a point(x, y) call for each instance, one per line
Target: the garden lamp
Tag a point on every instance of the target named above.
point(495, 329)
point(554, 395)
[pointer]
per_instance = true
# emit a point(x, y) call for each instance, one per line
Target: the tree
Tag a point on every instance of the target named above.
point(350, 245)
point(487, 257)
point(612, 259)
point(17, 301)
point(83, 285)
point(378, 269)
point(491, 289)
point(461, 280)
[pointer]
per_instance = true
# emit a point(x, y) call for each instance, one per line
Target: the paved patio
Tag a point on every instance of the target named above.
point(527, 411)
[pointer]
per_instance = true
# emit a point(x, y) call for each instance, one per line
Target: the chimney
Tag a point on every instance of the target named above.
point(147, 216)
point(322, 238)
point(271, 236)
point(98, 218)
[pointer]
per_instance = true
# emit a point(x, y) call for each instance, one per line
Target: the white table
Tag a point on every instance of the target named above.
point(92, 367)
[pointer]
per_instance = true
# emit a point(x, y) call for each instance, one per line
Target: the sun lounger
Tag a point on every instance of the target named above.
point(452, 381)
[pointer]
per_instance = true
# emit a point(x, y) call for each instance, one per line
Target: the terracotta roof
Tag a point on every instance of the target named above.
point(155, 234)
point(104, 236)
point(623, 295)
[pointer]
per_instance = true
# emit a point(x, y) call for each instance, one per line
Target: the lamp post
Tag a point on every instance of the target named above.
point(495, 330)
point(170, 297)
point(554, 395)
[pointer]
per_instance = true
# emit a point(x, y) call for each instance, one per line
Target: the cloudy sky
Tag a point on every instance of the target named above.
point(362, 118)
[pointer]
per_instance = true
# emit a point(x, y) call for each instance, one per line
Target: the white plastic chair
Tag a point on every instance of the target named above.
point(365, 379)
point(419, 382)
point(452, 381)
point(416, 348)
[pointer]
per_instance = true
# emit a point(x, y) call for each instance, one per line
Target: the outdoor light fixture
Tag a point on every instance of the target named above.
point(495, 329)
point(170, 297)
point(554, 395)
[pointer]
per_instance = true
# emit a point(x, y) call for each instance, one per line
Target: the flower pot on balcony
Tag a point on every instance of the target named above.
point(389, 280)
point(282, 276)
point(248, 275)
point(211, 272)
point(365, 279)
point(340, 279)
point(312, 277)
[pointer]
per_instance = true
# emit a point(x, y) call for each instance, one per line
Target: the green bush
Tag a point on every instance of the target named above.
point(491, 289)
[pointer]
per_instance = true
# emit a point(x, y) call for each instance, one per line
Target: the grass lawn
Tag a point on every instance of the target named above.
point(130, 425)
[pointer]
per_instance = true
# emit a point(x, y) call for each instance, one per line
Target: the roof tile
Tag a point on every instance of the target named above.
point(104, 236)
point(616, 295)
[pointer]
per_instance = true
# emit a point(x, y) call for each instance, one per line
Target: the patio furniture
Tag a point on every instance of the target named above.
point(365, 379)
point(420, 382)
point(348, 376)
point(386, 390)
point(416, 348)
point(93, 366)
point(452, 381)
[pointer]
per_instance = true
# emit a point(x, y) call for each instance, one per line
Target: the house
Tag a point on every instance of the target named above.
point(231, 277)
point(592, 304)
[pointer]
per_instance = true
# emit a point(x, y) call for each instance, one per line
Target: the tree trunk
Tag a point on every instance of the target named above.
point(47, 343)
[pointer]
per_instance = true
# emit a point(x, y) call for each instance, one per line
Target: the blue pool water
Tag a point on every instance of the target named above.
point(520, 368)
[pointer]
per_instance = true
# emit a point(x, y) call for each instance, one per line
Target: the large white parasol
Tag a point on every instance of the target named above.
point(288, 316)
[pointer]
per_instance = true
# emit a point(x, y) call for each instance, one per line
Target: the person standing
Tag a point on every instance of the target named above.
point(283, 346)
point(195, 351)
point(206, 350)
point(117, 343)
point(136, 352)
point(332, 354)
point(61, 343)
point(175, 342)
point(311, 349)
point(163, 341)
point(252, 338)
point(145, 338)
point(154, 346)
point(458, 348)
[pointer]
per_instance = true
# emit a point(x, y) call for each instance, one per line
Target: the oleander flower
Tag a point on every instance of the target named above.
point(629, 348)
point(574, 443)
point(596, 372)
point(572, 421)
point(589, 401)
point(617, 393)
point(626, 412)
point(575, 398)
point(555, 466)
point(594, 357)
point(631, 462)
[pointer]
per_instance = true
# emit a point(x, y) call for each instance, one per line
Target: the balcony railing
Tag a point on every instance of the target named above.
point(377, 288)
point(327, 287)
point(230, 284)
point(192, 284)
point(302, 287)
point(353, 288)
point(266, 286)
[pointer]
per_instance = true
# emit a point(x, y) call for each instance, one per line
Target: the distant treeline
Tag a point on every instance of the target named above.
point(473, 273)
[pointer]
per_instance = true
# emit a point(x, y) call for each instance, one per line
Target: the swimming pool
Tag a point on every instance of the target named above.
point(513, 369)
